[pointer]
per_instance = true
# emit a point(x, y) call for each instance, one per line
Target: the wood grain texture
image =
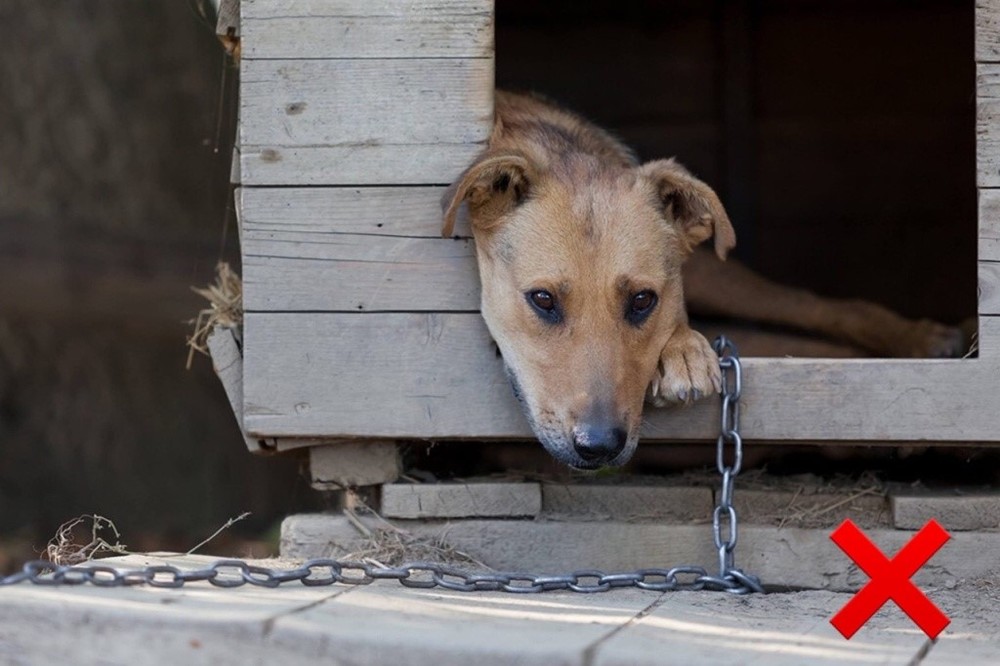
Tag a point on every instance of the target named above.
point(436, 376)
point(989, 288)
point(368, 102)
point(228, 363)
point(362, 122)
point(348, 464)
point(988, 125)
point(367, 29)
point(353, 249)
point(989, 337)
point(357, 164)
point(414, 212)
point(987, 31)
point(989, 224)
point(461, 500)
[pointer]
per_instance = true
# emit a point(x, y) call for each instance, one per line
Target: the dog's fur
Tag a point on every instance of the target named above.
point(580, 252)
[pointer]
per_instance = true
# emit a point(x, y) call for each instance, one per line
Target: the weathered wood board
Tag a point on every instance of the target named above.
point(367, 29)
point(362, 121)
point(354, 249)
point(987, 31)
point(411, 212)
point(989, 225)
point(371, 102)
point(354, 272)
point(988, 125)
point(989, 287)
point(435, 375)
point(988, 341)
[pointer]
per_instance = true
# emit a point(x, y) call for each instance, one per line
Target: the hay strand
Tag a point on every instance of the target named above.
point(225, 298)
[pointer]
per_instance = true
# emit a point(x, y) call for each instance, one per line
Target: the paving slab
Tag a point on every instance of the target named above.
point(461, 500)
point(384, 623)
point(913, 507)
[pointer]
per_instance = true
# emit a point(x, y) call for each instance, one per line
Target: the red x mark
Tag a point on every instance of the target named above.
point(890, 579)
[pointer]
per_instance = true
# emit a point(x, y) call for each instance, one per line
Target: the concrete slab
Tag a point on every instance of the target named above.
point(790, 557)
point(386, 623)
point(912, 508)
point(580, 501)
point(461, 500)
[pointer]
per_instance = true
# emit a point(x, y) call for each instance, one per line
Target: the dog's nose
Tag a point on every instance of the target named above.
point(598, 443)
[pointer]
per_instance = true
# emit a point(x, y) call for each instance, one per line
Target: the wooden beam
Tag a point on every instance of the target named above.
point(414, 212)
point(375, 111)
point(356, 164)
point(988, 339)
point(987, 31)
point(228, 363)
point(989, 224)
point(988, 125)
point(430, 375)
point(350, 272)
point(368, 29)
point(989, 288)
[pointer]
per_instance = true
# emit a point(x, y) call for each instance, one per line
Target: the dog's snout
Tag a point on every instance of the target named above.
point(598, 443)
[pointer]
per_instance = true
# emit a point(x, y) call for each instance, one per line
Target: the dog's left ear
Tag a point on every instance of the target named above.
point(691, 204)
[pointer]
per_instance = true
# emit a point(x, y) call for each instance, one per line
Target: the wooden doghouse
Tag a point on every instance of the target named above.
point(362, 324)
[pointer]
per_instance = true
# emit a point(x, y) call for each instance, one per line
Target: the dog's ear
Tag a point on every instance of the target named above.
point(492, 185)
point(691, 204)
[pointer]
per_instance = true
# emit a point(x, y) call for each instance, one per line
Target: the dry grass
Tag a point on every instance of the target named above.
point(66, 548)
point(390, 546)
point(225, 298)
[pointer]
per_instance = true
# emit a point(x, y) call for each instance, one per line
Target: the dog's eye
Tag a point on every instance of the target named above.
point(640, 306)
point(543, 300)
point(544, 304)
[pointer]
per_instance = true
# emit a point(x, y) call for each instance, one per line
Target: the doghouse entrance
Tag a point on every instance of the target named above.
point(839, 135)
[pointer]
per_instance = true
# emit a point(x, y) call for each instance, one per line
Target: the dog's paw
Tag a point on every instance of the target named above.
point(688, 370)
point(929, 339)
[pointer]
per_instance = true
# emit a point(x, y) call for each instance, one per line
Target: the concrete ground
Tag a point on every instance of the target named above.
point(385, 623)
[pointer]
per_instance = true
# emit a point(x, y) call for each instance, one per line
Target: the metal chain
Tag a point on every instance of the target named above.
point(325, 571)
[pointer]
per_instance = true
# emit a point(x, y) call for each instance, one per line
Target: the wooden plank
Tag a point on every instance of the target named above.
point(228, 363)
point(988, 338)
point(434, 375)
point(989, 224)
point(972, 510)
point(987, 31)
point(989, 288)
point(414, 212)
point(339, 465)
point(365, 102)
point(368, 29)
point(461, 500)
point(988, 125)
point(350, 272)
point(356, 164)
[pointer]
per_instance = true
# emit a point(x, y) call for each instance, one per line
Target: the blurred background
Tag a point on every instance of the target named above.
point(114, 173)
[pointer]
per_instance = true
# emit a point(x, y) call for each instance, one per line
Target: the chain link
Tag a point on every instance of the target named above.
point(426, 575)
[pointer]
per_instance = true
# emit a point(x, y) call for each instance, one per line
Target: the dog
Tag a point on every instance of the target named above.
point(588, 262)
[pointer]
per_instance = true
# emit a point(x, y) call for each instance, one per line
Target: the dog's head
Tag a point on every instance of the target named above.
point(581, 285)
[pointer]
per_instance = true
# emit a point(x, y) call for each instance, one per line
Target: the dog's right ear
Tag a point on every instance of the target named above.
point(492, 186)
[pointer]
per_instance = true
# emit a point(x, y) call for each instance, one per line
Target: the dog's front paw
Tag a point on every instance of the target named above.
point(688, 370)
point(929, 339)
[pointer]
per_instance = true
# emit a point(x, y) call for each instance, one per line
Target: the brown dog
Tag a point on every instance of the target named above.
point(580, 252)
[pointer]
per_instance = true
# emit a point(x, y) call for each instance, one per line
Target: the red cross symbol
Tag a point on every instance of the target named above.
point(890, 579)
